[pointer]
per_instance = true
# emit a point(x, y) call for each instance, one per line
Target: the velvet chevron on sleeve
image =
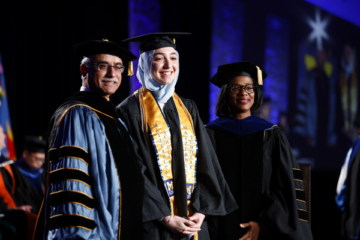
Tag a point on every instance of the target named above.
point(94, 184)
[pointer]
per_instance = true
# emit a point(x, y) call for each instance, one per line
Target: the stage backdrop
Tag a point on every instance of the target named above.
point(311, 56)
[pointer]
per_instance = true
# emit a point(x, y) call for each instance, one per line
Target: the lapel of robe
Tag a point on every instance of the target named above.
point(178, 166)
point(122, 151)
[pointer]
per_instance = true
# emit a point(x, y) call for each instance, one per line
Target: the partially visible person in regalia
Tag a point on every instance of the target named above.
point(19, 200)
point(257, 163)
point(183, 181)
point(94, 188)
point(31, 162)
point(348, 191)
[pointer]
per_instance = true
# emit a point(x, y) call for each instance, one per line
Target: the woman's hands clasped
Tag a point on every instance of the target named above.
point(183, 226)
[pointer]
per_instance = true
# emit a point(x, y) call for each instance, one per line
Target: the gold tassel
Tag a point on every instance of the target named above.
point(259, 73)
point(130, 69)
point(174, 40)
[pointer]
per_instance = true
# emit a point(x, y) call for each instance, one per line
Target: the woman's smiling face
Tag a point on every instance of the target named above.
point(165, 65)
point(241, 102)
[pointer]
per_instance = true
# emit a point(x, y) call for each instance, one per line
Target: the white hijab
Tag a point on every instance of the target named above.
point(161, 93)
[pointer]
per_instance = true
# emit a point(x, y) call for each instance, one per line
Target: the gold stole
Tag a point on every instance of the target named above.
point(158, 133)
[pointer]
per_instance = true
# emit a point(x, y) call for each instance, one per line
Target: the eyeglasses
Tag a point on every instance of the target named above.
point(237, 88)
point(118, 68)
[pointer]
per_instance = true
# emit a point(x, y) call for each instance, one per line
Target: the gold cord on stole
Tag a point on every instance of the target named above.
point(158, 134)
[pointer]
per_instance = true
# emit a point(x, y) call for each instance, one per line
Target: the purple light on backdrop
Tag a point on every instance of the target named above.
point(144, 18)
point(276, 65)
point(348, 10)
point(226, 41)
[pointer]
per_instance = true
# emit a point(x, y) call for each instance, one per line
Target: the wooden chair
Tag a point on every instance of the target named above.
point(306, 172)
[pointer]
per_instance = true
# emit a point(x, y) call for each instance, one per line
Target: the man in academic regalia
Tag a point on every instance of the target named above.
point(31, 162)
point(94, 186)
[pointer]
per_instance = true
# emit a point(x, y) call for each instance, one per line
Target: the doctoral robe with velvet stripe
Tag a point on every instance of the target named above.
point(211, 195)
point(266, 182)
point(94, 183)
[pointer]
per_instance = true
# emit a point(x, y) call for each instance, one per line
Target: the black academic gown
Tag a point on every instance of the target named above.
point(211, 195)
point(125, 159)
point(18, 224)
point(263, 177)
point(24, 194)
point(350, 217)
point(24, 169)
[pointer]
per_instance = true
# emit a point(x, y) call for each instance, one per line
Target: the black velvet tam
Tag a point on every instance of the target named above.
point(155, 41)
point(228, 71)
point(35, 144)
point(104, 46)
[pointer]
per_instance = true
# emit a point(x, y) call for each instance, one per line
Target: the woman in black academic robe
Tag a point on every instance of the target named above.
point(158, 71)
point(257, 163)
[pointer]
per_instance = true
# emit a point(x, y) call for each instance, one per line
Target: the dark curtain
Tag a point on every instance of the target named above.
point(194, 50)
point(41, 69)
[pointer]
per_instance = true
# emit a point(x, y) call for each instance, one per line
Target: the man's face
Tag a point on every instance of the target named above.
point(103, 82)
point(2, 138)
point(34, 160)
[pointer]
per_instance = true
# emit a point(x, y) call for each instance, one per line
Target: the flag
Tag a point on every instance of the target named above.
point(9, 151)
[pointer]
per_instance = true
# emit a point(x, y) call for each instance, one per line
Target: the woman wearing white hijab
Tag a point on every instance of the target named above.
point(183, 182)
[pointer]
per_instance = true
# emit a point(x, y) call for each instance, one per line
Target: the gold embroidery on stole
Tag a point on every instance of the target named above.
point(154, 125)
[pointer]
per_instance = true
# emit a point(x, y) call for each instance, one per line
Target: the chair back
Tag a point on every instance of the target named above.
point(306, 172)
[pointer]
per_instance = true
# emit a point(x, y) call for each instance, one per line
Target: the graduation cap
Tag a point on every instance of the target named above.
point(105, 46)
point(35, 144)
point(155, 41)
point(228, 71)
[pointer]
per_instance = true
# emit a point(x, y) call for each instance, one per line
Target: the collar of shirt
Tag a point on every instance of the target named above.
point(161, 105)
point(84, 89)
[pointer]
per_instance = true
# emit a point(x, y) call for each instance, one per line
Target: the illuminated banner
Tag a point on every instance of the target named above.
point(9, 151)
